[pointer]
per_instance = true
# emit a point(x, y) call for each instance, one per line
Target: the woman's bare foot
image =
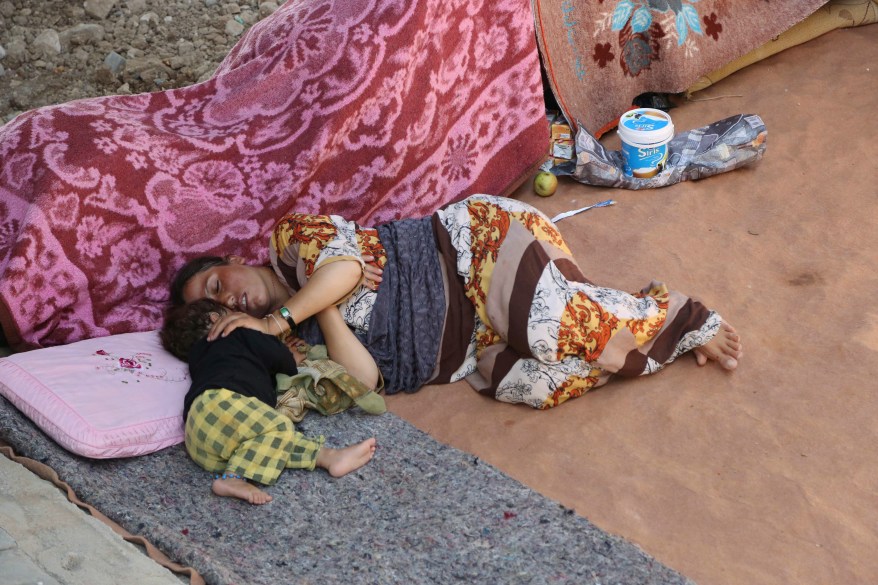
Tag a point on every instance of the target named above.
point(725, 348)
point(242, 489)
point(340, 462)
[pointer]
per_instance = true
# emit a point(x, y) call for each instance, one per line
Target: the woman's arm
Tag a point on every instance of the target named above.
point(344, 347)
point(328, 285)
point(326, 251)
point(326, 288)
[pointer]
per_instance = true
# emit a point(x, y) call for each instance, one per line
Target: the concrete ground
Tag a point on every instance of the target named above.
point(44, 539)
point(766, 475)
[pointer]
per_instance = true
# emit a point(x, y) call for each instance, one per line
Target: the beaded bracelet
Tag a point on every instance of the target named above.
point(228, 476)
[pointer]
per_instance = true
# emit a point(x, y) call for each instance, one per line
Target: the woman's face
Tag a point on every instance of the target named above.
point(236, 285)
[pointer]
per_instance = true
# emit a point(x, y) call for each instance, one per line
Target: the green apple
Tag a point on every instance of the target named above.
point(545, 183)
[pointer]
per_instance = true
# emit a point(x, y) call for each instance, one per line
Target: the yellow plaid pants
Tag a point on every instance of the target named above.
point(230, 433)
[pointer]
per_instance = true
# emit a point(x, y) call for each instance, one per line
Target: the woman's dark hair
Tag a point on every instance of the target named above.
point(186, 324)
point(189, 270)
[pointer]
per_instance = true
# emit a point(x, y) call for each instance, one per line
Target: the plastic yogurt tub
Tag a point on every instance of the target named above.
point(645, 133)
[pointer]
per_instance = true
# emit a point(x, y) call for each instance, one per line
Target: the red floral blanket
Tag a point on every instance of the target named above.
point(373, 110)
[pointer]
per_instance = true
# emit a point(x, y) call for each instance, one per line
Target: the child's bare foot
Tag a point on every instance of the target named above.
point(725, 348)
point(340, 462)
point(242, 489)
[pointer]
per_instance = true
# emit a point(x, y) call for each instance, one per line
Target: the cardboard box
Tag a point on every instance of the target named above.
point(562, 145)
point(563, 150)
point(561, 131)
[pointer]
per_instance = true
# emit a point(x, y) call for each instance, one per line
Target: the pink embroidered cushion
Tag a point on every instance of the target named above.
point(115, 396)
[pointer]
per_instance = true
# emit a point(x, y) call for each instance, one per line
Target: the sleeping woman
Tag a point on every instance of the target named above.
point(484, 290)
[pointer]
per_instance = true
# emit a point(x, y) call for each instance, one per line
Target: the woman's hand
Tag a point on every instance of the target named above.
point(372, 272)
point(234, 319)
point(298, 347)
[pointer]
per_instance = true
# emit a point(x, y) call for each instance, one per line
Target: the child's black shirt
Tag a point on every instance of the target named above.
point(246, 362)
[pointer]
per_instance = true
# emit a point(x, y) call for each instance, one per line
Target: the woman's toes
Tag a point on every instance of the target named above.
point(700, 358)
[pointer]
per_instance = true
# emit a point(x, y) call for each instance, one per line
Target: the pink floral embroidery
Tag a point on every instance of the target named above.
point(128, 363)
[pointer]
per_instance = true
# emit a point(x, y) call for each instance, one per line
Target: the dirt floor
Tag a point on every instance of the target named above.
point(767, 475)
point(53, 51)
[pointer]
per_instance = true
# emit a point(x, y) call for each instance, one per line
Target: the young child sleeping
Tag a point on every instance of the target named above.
point(232, 428)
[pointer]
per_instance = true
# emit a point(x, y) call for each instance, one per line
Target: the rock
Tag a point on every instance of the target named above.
point(136, 6)
point(266, 8)
point(99, 8)
point(24, 94)
point(82, 34)
point(248, 16)
point(148, 69)
point(234, 28)
point(114, 62)
point(16, 50)
point(98, 39)
point(47, 43)
point(104, 76)
point(81, 56)
point(149, 17)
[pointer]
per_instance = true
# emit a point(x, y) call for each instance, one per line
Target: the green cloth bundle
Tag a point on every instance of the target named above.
point(325, 386)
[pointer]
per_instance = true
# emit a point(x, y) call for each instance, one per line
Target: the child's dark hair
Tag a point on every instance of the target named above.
point(186, 324)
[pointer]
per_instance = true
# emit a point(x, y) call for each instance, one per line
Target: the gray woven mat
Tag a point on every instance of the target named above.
point(420, 512)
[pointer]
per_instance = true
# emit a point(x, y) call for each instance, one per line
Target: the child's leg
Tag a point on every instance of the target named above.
point(242, 438)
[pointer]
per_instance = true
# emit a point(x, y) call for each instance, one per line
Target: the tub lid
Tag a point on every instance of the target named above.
point(646, 125)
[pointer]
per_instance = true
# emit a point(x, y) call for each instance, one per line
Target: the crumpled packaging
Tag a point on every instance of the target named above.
point(722, 146)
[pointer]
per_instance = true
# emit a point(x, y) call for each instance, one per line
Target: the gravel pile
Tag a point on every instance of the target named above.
point(53, 51)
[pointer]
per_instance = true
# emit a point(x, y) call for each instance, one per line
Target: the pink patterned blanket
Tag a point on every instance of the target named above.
point(373, 110)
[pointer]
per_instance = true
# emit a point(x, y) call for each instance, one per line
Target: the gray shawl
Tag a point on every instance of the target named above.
point(409, 312)
point(407, 319)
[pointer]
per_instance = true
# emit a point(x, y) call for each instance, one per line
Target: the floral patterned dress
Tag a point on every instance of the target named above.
point(523, 323)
